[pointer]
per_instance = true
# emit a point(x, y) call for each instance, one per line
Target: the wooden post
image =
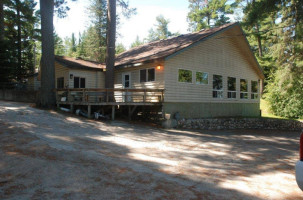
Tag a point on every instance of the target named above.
point(72, 108)
point(162, 96)
point(107, 95)
point(89, 111)
point(129, 113)
point(113, 112)
point(83, 95)
point(144, 97)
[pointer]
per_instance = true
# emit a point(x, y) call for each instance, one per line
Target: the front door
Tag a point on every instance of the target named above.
point(126, 82)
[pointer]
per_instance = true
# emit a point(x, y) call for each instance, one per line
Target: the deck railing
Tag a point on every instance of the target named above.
point(110, 95)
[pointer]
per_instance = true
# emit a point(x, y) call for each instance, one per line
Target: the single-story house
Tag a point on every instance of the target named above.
point(73, 73)
point(210, 73)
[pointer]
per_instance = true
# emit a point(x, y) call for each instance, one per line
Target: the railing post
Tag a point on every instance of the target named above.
point(162, 96)
point(106, 95)
point(126, 95)
point(144, 97)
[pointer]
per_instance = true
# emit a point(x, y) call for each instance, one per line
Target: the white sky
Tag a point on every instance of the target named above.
point(147, 11)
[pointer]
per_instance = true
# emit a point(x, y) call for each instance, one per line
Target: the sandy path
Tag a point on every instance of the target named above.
point(46, 155)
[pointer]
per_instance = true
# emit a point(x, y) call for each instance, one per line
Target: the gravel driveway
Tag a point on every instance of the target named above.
point(47, 155)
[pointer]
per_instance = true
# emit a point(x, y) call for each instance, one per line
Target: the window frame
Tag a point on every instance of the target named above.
point(244, 93)
point(231, 92)
point(191, 76)
point(254, 95)
point(199, 83)
point(146, 74)
point(216, 91)
point(80, 82)
point(60, 78)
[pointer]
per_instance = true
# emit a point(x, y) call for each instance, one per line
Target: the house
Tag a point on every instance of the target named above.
point(78, 73)
point(72, 73)
point(211, 73)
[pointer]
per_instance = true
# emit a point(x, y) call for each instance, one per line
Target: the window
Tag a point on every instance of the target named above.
point(231, 87)
point(254, 90)
point(217, 86)
point(79, 82)
point(147, 75)
point(185, 76)
point(243, 89)
point(201, 78)
point(60, 82)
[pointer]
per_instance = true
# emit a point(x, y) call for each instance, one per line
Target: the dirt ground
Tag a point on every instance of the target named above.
point(47, 155)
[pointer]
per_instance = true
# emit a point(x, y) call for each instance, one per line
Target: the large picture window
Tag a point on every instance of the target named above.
point(231, 86)
point(217, 86)
point(243, 89)
point(147, 75)
point(185, 76)
point(201, 78)
point(79, 82)
point(60, 82)
point(254, 90)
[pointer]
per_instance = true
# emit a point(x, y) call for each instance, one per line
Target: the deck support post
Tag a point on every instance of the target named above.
point(89, 111)
point(113, 112)
point(131, 112)
point(72, 108)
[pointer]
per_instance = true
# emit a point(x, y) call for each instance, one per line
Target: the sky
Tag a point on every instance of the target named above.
point(138, 25)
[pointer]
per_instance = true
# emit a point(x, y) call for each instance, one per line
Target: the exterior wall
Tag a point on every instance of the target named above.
point(218, 55)
point(208, 109)
point(61, 71)
point(94, 79)
point(135, 77)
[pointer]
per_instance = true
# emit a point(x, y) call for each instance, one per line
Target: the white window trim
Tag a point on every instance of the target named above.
point(218, 91)
point(244, 93)
point(254, 93)
point(192, 81)
point(201, 83)
point(147, 75)
point(232, 91)
point(79, 82)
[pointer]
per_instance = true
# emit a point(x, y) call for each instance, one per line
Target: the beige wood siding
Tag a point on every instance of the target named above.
point(93, 79)
point(61, 71)
point(135, 77)
point(220, 55)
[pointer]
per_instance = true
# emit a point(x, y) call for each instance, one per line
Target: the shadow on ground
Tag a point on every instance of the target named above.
point(49, 155)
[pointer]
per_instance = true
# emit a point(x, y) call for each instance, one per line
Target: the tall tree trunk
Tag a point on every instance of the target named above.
point(47, 95)
point(1, 21)
point(259, 41)
point(110, 44)
point(19, 46)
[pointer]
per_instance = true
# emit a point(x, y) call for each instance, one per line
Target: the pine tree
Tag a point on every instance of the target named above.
point(136, 43)
point(285, 89)
point(161, 30)
point(206, 13)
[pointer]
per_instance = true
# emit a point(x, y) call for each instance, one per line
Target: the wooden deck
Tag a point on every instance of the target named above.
point(109, 97)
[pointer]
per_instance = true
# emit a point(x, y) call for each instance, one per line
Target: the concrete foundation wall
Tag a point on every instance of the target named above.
point(20, 96)
point(208, 110)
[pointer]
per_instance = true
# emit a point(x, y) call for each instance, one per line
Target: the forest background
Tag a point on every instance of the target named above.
point(274, 29)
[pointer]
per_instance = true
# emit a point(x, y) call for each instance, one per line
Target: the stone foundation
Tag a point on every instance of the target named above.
point(240, 123)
